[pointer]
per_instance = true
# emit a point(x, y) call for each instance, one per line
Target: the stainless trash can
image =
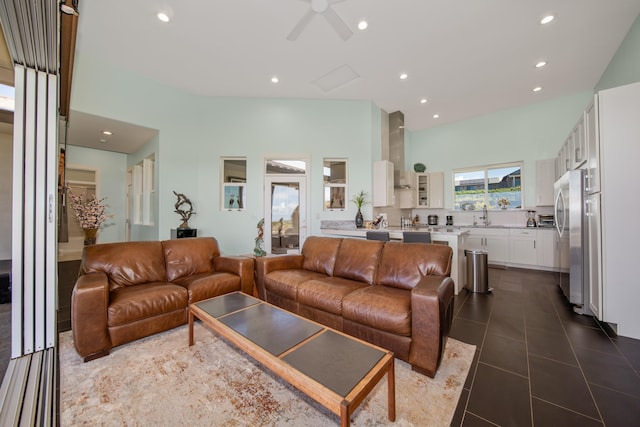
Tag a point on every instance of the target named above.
point(477, 274)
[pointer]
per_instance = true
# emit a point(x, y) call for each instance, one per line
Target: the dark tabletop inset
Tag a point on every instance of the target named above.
point(336, 361)
point(272, 329)
point(228, 303)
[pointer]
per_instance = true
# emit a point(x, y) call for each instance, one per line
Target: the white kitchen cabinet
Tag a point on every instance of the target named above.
point(383, 183)
point(545, 174)
point(593, 147)
point(579, 144)
point(494, 241)
point(405, 198)
point(619, 127)
point(430, 190)
point(594, 254)
point(522, 247)
point(547, 247)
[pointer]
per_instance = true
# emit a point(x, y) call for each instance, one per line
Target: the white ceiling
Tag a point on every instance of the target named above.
point(467, 57)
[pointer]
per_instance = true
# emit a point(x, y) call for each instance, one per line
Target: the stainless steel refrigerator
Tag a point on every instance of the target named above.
point(569, 192)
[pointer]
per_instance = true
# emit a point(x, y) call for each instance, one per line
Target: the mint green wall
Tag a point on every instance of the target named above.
point(111, 183)
point(624, 68)
point(527, 133)
point(195, 131)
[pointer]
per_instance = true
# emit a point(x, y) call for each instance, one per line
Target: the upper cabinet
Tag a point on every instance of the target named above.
point(383, 183)
point(593, 147)
point(579, 147)
point(430, 190)
point(545, 172)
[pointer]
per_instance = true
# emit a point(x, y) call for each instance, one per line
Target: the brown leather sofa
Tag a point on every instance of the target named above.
point(126, 291)
point(395, 295)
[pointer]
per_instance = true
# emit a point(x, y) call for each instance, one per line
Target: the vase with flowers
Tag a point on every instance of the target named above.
point(360, 200)
point(90, 213)
point(503, 203)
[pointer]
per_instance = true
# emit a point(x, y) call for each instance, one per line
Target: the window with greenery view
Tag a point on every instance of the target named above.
point(496, 186)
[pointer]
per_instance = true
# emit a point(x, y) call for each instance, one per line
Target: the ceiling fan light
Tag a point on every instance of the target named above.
point(362, 25)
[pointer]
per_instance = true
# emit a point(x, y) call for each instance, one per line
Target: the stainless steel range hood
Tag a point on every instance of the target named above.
point(396, 150)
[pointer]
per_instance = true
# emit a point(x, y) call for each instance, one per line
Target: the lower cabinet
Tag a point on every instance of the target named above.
point(522, 247)
point(494, 241)
point(518, 246)
point(547, 245)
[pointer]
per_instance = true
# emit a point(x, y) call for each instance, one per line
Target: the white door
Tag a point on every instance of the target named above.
point(285, 216)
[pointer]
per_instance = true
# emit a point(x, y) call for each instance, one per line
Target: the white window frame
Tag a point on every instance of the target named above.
point(327, 186)
point(485, 169)
point(239, 183)
point(144, 189)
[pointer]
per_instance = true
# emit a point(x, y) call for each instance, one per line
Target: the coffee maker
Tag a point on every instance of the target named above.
point(449, 219)
point(531, 218)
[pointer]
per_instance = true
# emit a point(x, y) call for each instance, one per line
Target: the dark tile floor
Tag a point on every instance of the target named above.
point(538, 363)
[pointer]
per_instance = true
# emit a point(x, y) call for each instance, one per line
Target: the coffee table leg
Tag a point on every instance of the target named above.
point(391, 379)
point(344, 414)
point(190, 328)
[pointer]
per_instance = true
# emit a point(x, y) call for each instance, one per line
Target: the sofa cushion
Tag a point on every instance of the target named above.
point(125, 263)
point(131, 303)
point(358, 259)
point(326, 294)
point(186, 257)
point(320, 254)
point(380, 307)
point(285, 282)
point(208, 285)
point(402, 265)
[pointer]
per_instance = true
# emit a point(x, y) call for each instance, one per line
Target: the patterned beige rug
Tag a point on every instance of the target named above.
point(161, 381)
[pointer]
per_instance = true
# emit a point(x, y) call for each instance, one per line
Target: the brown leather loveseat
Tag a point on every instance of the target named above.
point(395, 295)
point(126, 291)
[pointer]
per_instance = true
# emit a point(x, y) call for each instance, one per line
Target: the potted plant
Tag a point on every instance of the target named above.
point(360, 200)
point(90, 213)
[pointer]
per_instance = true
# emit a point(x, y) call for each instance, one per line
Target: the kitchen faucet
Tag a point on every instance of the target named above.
point(485, 216)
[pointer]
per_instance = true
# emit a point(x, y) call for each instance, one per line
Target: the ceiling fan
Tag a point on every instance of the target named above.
point(321, 7)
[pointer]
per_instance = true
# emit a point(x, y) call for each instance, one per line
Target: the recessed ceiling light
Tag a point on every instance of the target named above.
point(537, 88)
point(541, 64)
point(162, 16)
point(103, 140)
point(362, 25)
point(435, 116)
point(423, 101)
point(107, 132)
point(547, 19)
point(403, 76)
point(274, 79)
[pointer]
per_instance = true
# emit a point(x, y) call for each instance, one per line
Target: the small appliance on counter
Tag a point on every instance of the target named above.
point(531, 218)
point(449, 219)
point(432, 220)
point(546, 221)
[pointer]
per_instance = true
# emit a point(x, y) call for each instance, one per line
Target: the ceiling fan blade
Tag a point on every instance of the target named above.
point(301, 25)
point(337, 23)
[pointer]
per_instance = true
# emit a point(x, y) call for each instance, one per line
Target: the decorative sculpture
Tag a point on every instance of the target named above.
point(259, 250)
point(185, 214)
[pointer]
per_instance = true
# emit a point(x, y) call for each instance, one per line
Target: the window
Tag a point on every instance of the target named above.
point(335, 183)
point(144, 191)
point(286, 167)
point(234, 181)
point(491, 186)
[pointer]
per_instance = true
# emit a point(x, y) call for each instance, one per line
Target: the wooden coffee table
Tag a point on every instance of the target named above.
point(336, 370)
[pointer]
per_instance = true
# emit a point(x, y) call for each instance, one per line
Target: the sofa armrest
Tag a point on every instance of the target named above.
point(267, 264)
point(89, 303)
point(431, 317)
point(242, 266)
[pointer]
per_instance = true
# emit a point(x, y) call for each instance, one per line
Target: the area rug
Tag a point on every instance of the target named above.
point(161, 381)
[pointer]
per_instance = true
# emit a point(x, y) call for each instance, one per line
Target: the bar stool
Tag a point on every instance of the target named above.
point(416, 237)
point(382, 236)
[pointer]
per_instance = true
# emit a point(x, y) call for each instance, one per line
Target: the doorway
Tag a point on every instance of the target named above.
point(285, 214)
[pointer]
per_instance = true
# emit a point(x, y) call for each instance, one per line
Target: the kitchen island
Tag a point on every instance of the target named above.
point(452, 236)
